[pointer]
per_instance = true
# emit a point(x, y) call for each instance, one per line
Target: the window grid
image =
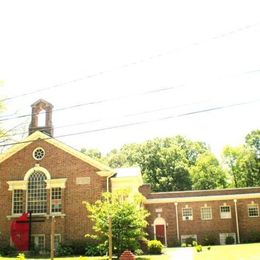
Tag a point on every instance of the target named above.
point(56, 200)
point(206, 213)
point(253, 211)
point(17, 201)
point(225, 212)
point(57, 240)
point(38, 242)
point(187, 213)
point(37, 193)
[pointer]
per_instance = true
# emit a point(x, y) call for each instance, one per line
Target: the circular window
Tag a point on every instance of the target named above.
point(38, 153)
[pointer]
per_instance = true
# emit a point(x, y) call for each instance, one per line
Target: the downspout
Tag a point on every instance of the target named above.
point(108, 177)
point(237, 225)
point(177, 221)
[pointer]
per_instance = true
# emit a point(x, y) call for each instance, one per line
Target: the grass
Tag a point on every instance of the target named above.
point(143, 257)
point(230, 252)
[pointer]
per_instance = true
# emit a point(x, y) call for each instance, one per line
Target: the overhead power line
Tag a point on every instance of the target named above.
point(206, 110)
point(150, 58)
point(112, 99)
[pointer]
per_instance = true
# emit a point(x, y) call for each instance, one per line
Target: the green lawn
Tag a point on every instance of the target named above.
point(232, 252)
point(145, 257)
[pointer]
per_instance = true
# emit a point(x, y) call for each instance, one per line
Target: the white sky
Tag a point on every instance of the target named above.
point(206, 52)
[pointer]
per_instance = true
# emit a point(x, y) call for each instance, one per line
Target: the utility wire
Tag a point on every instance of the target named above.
point(106, 100)
point(152, 57)
point(207, 110)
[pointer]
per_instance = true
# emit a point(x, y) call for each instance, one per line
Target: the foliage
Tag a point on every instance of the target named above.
point(251, 237)
point(242, 165)
point(198, 248)
point(155, 247)
point(95, 249)
point(207, 173)
point(189, 241)
point(229, 240)
point(165, 162)
point(209, 239)
point(20, 256)
point(8, 251)
point(64, 250)
point(128, 220)
point(139, 252)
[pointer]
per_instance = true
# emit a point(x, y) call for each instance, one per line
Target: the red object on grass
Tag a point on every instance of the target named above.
point(20, 232)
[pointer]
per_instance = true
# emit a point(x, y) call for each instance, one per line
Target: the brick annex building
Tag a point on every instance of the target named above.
point(42, 175)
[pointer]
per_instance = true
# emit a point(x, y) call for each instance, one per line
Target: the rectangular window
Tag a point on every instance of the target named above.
point(38, 242)
point(18, 202)
point(225, 212)
point(57, 240)
point(223, 236)
point(187, 214)
point(253, 210)
point(188, 238)
point(206, 213)
point(56, 200)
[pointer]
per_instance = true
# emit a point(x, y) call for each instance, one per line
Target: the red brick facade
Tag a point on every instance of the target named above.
point(80, 178)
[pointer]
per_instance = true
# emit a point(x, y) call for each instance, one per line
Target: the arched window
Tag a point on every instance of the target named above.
point(37, 193)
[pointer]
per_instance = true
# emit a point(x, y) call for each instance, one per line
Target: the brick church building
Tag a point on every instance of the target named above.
point(48, 178)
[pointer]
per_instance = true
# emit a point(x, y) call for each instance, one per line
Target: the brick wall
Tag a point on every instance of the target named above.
point(75, 224)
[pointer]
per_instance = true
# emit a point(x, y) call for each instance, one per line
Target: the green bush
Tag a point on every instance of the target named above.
point(155, 247)
point(64, 250)
point(8, 251)
point(198, 248)
point(95, 250)
point(209, 240)
point(189, 241)
point(251, 237)
point(139, 252)
point(229, 240)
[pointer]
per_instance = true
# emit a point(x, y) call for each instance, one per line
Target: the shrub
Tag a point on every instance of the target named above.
point(155, 247)
point(229, 240)
point(139, 252)
point(183, 245)
point(251, 237)
point(190, 240)
point(8, 251)
point(64, 250)
point(198, 248)
point(209, 240)
point(95, 250)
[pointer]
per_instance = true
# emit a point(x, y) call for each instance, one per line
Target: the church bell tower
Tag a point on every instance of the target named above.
point(44, 109)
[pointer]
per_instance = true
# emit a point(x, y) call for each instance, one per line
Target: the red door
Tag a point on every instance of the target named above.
point(159, 233)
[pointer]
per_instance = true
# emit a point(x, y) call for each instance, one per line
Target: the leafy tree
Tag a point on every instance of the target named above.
point(92, 152)
point(128, 220)
point(207, 173)
point(253, 141)
point(242, 166)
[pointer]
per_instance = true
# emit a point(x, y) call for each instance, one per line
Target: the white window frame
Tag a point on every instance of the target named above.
point(33, 236)
point(56, 243)
point(187, 213)
point(203, 217)
point(253, 206)
point(22, 202)
point(223, 236)
point(225, 214)
point(51, 201)
point(27, 195)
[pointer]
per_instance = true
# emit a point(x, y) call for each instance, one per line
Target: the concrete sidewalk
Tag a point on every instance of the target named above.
point(180, 253)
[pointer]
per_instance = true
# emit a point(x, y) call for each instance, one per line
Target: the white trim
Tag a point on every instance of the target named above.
point(255, 206)
point(224, 215)
point(56, 183)
point(17, 185)
point(203, 216)
point(202, 198)
point(37, 168)
point(40, 235)
point(103, 169)
point(160, 221)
